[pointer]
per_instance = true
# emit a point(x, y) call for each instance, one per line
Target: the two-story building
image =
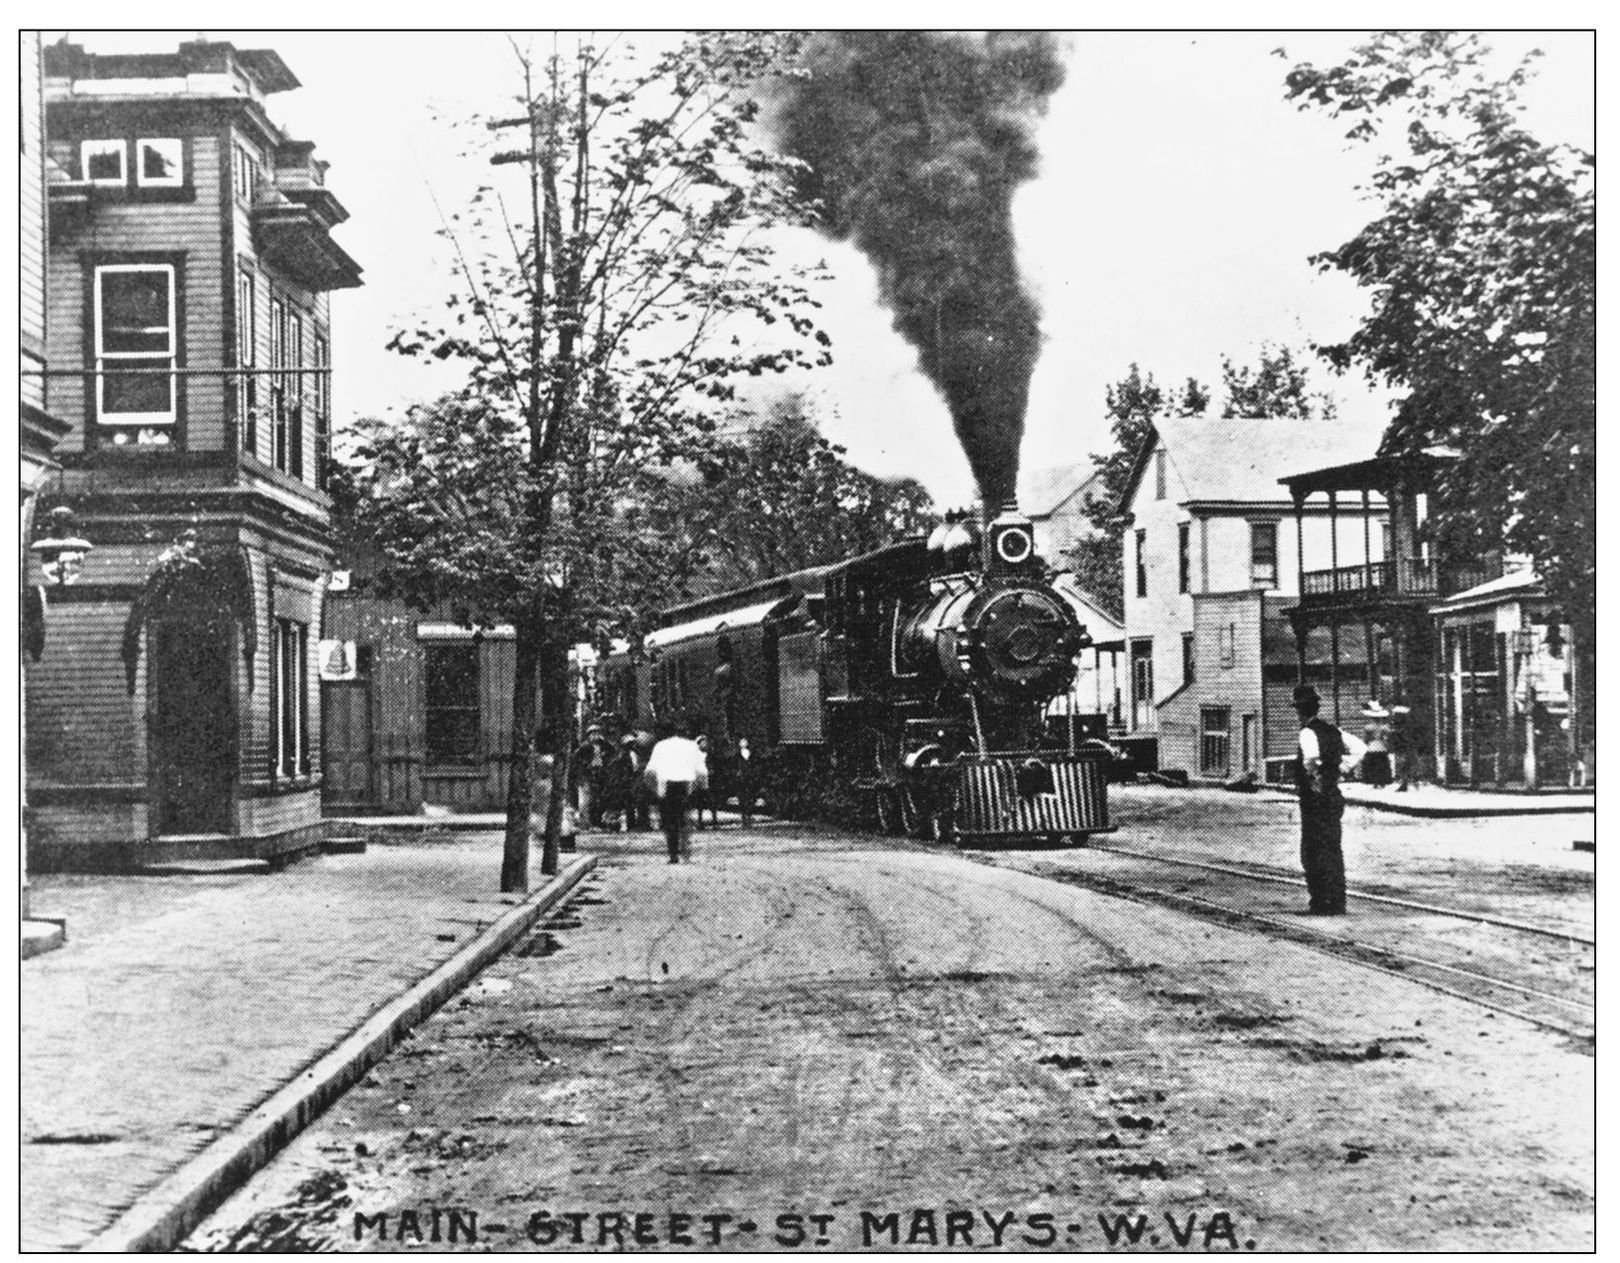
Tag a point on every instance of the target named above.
point(1482, 667)
point(1212, 553)
point(191, 260)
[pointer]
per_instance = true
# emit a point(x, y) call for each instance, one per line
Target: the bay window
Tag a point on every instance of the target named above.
point(321, 394)
point(246, 356)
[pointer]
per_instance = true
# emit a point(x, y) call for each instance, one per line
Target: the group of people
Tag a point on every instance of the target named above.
point(616, 782)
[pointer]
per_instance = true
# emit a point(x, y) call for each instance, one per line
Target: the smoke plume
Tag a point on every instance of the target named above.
point(914, 143)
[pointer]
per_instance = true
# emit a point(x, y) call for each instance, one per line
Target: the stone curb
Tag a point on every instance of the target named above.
point(162, 1217)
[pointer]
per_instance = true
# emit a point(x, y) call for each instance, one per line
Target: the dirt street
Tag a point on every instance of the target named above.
point(805, 1040)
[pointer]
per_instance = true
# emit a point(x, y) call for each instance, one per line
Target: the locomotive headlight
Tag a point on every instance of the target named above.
point(1009, 542)
point(1014, 546)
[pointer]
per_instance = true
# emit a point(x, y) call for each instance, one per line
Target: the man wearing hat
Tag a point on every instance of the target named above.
point(1325, 754)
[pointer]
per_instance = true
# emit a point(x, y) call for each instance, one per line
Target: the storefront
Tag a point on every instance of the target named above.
point(1505, 685)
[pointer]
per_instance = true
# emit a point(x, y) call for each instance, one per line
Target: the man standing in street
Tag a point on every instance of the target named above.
point(1324, 755)
point(674, 769)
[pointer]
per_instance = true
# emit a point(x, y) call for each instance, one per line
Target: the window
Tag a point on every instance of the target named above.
point(102, 162)
point(1141, 684)
point(1215, 752)
point(452, 713)
point(1184, 554)
point(1141, 563)
point(321, 394)
point(244, 172)
point(290, 705)
point(1228, 645)
point(134, 343)
point(246, 386)
point(1263, 554)
point(295, 392)
point(1189, 658)
point(278, 401)
point(286, 391)
point(1158, 474)
point(160, 163)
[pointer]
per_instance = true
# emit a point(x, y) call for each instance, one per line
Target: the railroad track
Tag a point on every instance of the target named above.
point(1566, 1014)
point(1257, 873)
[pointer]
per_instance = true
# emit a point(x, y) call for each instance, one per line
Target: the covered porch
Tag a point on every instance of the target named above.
point(1505, 689)
point(1379, 609)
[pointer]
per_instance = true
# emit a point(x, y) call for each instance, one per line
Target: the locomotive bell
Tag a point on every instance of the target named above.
point(1009, 543)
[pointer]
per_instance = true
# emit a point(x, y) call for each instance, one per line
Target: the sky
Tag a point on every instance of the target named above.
point(1178, 200)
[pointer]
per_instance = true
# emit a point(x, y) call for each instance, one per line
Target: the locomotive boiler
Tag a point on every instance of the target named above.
point(912, 680)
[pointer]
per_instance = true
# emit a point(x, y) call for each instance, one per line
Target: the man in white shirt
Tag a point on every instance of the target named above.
point(1325, 753)
point(675, 768)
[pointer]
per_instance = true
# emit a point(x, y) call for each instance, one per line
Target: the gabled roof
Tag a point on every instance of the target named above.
point(1101, 626)
point(1238, 460)
point(1043, 492)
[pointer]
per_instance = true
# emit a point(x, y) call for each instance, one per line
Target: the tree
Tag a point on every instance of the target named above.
point(1480, 269)
point(787, 500)
point(598, 318)
point(1276, 386)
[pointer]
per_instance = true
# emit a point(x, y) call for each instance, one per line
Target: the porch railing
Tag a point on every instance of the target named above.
point(1409, 576)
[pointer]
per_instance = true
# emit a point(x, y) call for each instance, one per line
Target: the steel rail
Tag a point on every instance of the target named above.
point(1302, 934)
point(1279, 879)
point(1345, 949)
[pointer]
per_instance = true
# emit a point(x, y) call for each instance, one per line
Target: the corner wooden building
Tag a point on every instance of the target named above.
point(190, 265)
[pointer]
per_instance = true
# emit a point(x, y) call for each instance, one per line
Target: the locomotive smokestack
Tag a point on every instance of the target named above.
point(914, 143)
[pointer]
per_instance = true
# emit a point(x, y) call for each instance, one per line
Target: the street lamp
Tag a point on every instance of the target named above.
point(61, 553)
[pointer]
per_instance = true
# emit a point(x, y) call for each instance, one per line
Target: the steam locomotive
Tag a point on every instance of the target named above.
point(912, 679)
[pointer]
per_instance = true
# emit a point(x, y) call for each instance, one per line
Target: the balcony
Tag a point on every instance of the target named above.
point(1411, 578)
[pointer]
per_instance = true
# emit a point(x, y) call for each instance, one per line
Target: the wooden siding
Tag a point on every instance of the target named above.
point(87, 733)
point(399, 778)
point(81, 826)
point(31, 213)
point(192, 228)
point(84, 728)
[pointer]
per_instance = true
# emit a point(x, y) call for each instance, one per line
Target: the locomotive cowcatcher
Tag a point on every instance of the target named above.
point(912, 679)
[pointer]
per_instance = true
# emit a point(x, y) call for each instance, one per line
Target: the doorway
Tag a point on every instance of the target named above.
point(192, 726)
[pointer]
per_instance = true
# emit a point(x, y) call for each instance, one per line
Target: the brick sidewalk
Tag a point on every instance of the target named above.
point(180, 1003)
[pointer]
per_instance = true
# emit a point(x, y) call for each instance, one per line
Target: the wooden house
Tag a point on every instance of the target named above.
point(1209, 573)
point(191, 262)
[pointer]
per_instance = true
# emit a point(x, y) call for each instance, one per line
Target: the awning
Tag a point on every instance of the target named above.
point(747, 616)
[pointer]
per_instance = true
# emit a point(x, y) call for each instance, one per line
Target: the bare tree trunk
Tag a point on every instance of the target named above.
point(519, 786)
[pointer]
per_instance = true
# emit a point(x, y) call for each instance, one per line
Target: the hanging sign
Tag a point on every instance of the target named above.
point(338, 660)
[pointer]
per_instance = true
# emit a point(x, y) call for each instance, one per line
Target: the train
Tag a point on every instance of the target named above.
point(907, 685)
